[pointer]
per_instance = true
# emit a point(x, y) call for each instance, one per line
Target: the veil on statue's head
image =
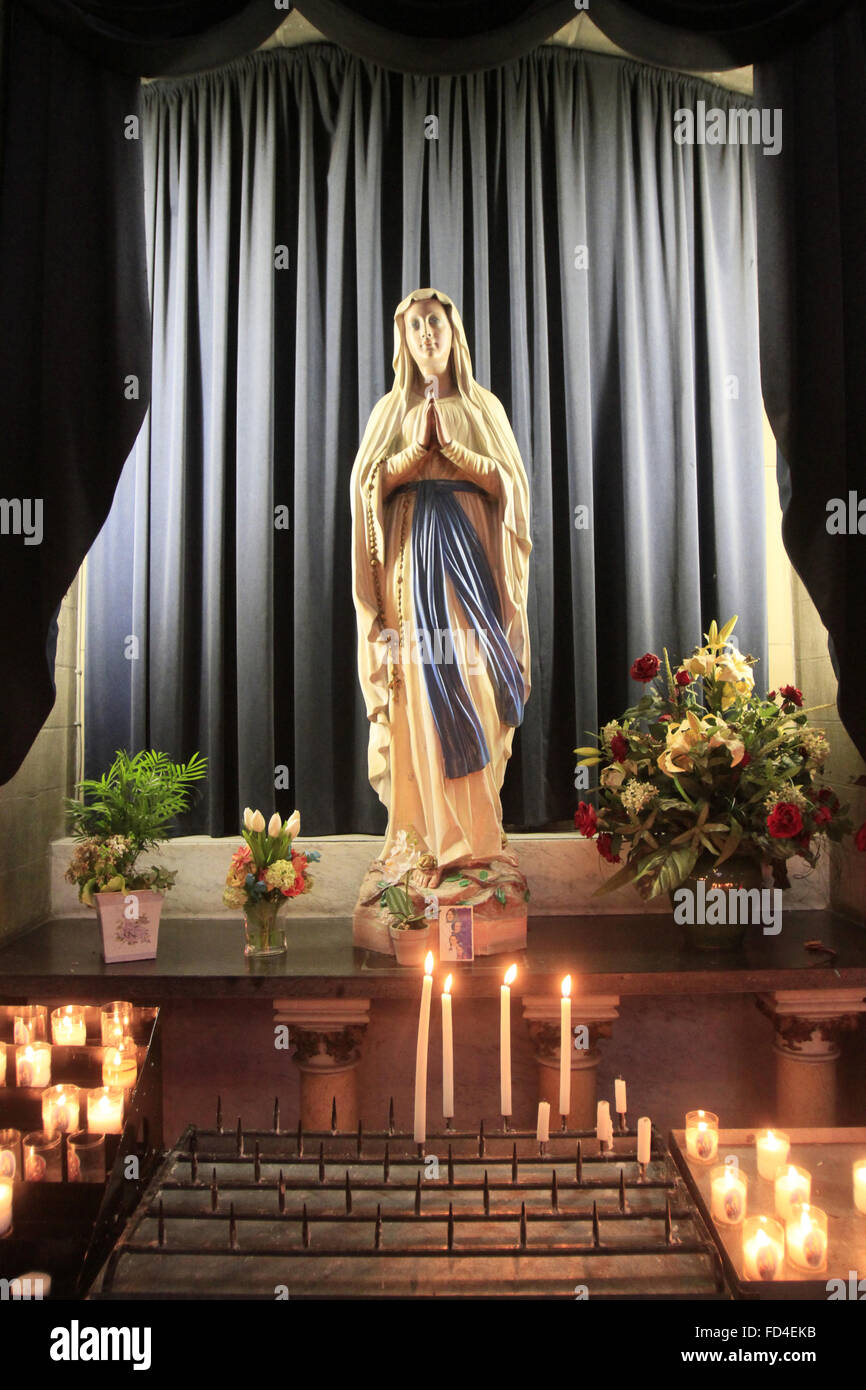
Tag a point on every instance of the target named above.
point(405, 366)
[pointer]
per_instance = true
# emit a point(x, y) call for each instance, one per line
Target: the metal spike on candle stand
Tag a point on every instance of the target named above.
point(276, 1114)
point(523, 1225)
point(669, 1239)
point(321, 1160)
point(596, 1233)
point(359, 1141)
point(623, 1122)
point(193, 1166)
point(514, 1163)
point(160, 1226)
point(300, 1139)
point(450, 1225)
point(578, 1165)
point(622, 1189)
point(240, 1138)
point(418, 1194)
point(386, 1162)
point(554, 1193)
point(214, 1192)
point(233, 1228)
point(281, 1194)
point(348, 1195)
point(486, 1194)
point(482, 1142)
point(377, 1232)
point(305, 1229)
point(219, 1115)
point(193, 1141)
point(333, 1114)
point(257, 1164)
point(391, 1116)
point(563, 1123)
point(450, 1167)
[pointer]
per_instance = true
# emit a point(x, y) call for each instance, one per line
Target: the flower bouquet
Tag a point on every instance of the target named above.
point(265, 871)
point(409, 929)
point(703, 770)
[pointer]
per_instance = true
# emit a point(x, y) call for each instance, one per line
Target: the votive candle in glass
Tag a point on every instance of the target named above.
point(68, 1025)
point(60, 1106)
point(2, 1064)
point(33, 1064)
point(30, 1023)
point(105, 1110)
point(702, 1135)
point(85, 1157)
point(10, 1153)
point(859, 1175)
point(728, 1194)
point(806, 1237)
point(773, 1148)
point(763, 1248)
point(120, 1064)
point(115, 1021)
point(42, 1157)
point(793, 1185)
point(5, 1207)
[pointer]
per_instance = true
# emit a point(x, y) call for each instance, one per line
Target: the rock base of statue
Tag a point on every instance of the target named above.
point(495, 889)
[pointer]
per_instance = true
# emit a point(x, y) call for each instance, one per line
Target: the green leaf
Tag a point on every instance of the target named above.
point(500, 895)
point(483, 874)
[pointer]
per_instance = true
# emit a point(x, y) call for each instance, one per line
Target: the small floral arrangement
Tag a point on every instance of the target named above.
point(703, 765)
point(397, 868)
point(266, 868)
point(108, 866)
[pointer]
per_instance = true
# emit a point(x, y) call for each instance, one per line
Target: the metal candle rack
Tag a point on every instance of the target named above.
point(371, 1213)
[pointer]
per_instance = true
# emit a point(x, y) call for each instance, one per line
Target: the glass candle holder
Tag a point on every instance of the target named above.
point(5, 1207)
point(806, 1237)
point(33, 1064)
point(60, 1106)
point(30, 1023)
point(115, 1021)
point(105, 1110)
point(68, 1025)
point(763, 1248)
point(43, 1160)
point(793, 1186)
point(773, 1147)
point(120, 1064)
point(2, 1064)
point(10, 1153)
point(859, 1177)
point(702, 1135)
point(85, 1157)
point(728, 1187)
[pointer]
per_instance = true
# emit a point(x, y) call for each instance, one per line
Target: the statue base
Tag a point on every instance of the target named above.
point(495, 889)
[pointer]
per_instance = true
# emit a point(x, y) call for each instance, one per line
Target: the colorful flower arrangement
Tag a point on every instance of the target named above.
point(702, 765)
point(266, 868)
point(403, 858)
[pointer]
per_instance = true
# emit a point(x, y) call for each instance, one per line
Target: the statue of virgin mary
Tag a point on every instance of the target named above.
point(440, 513)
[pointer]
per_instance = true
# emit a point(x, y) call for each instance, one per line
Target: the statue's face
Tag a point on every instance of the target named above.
point(428, 336)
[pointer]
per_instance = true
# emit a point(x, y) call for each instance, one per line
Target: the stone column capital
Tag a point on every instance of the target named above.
point(326, 1033)
point(809, 1023)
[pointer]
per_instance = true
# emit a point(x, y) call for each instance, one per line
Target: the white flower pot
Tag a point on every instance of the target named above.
point(130, 924)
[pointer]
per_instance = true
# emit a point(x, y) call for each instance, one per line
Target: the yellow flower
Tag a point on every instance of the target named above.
point(723, 735)
point(681, 739)
point(701, 664)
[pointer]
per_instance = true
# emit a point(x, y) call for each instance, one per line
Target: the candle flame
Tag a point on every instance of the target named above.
point(428, 963)
point(761, 1238)
point(510, 975)
point(792, 1173)
point(446, 988)
point(566, 987)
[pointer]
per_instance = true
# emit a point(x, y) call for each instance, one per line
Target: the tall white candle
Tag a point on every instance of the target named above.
point(421, 1052)
point(542, 1132)
point(644, 1139)
point(505, 1040)
point(603, 1127)
point(859, 1175)
point(565, 1047)
point(447, 1053)
point(619, 1096)
point(5, 1207)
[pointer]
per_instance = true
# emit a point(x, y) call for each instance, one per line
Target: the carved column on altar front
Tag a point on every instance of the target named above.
point(326, 1035)
point(809, 1027)
point(592, 1018)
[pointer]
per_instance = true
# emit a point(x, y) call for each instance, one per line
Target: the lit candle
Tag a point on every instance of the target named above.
point(702, 1135)
point(603, 1126)
point(728, 1195)
point(860, 1184)
point(5, 1208)
point(773, 1148)
point(644, 1139)
point(565, 1047)
point(542, 1132)
point(28, 1024)
point(119, 1066)
point(505, 1040)
point(763, 1248)
point(806, 1235)
point(68, 1026)
point(105, 1110)
point(114, 1021)
point(793, 1187)
point(421, 1052)
point(2, 1064)
point(60, 1109)
point(447, 1053)
point(33, 1064)
point(619, 1103)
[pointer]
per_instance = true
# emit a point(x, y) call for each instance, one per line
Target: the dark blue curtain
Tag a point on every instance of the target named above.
point(606, 276)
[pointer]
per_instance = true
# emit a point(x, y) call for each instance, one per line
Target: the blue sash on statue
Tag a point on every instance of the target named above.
point(445, 545)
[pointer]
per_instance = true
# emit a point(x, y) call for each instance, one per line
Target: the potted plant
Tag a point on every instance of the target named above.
point(704, 778)
point(409, 930)
point(264, 873)
point(116, 819)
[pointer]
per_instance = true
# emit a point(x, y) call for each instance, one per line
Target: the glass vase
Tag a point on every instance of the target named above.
point(263, 935)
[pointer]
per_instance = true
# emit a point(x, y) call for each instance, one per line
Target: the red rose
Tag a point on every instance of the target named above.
point(665, 718)
point(860, 837)
point(602, 844)
point(683, 678)
point(745, 760)
point(828, 797)
point(646, 668)
point(790, 692)
point(619, 748)
point(821, 815)
point(771, 694)
point(585, 820)
point(785, 821)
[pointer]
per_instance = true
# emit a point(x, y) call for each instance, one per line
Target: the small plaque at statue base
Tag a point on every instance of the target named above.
point(495, 890)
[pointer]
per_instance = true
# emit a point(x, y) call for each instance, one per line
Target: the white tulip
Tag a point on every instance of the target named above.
point(248, 818)
point(257, 822)
point(293, 825)
point(275, 825)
